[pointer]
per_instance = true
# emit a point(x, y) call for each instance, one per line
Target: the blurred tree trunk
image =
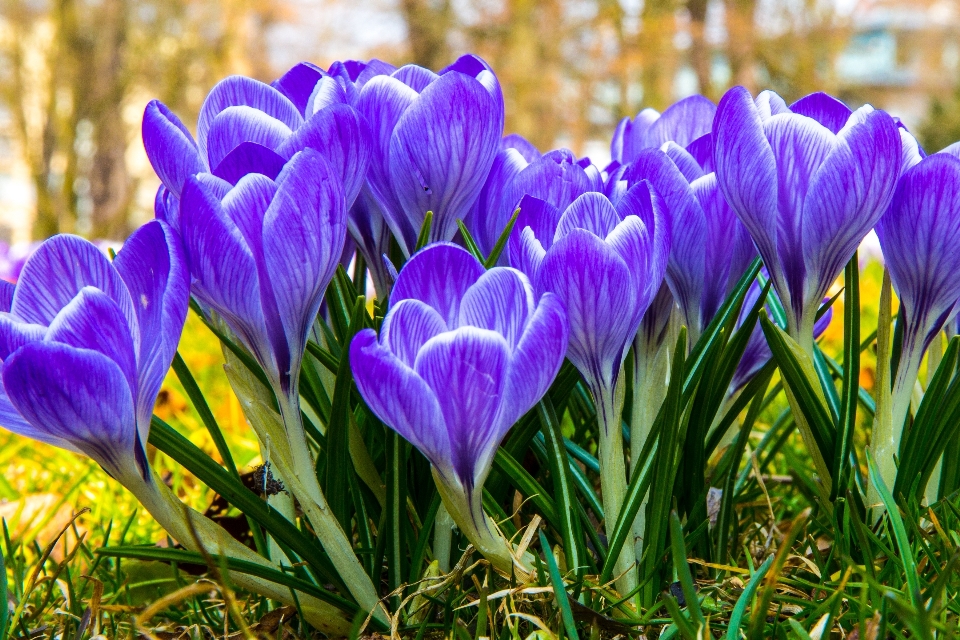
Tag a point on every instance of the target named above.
point(740, 42)
point(699, 48)
point(429, 22)
point(658, 52)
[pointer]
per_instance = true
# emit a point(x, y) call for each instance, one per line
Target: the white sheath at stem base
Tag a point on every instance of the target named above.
point(188, 528)
point(294, 462)
point(467, 511)
point(613, 475)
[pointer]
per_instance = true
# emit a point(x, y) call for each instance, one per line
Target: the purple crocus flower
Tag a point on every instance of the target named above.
point(920, 237)
point(592, 253)
point(435, 137)
point(262, 252)
point(807, 195)
point(85, 344)
point(246, 126)
point(683, 122)
point(711, 248)
point(462, 355)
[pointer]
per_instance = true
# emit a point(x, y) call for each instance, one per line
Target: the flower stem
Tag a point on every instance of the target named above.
point(466, 509)
point(651, 369)
point(198, 533)
point(613, 474)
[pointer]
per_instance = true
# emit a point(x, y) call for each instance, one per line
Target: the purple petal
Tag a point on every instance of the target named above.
point(382, 102)
point(93, 321)
point(153, 266)
point(235, 125)
point(538, 356)
point(170, 147)
point(340, 135)
point(223, 267)
point(586, 274)
point(683, 122)
point(823, 108)
point(770, 104)
point(646, 249)
point(477, 68)
point(442, 150)
point(920, 237)
point(247, 158)
point(467, 371)
point(409, 326)
point(630, 136)
point(79, 396)
point(486, 220)
point(747, 173)
point(686, 163)
point(439, 276)
point(327, 93)
point(502, 301)
point(55, 274)
point(15, 333)
point(303, 235)
point(236, 91)
point(702, 151)
point(848, 195)
point(592, 212)
point(369, 230)
point(400, 398)
point(6, 295)
point(166, 207)
point(415, 77)
point(555, 178)
point(297, 84)
point(522, 145)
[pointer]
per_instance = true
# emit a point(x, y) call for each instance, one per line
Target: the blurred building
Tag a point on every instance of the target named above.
point(901, 55)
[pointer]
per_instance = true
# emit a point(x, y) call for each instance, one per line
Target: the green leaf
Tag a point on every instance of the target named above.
point(324, 357)
point(526, 484)
point(396, 523)
point(899, 534)
point(424, 237)
point(206, 416)
point(423, 540)
point(470, 243)
point(339, 463)
point(5, 609)
point(739, 609)
point(797, 370)
point(850, 389)
point(679, 620)
point(559, 590)
point(564, 492)
point(166, 439)
point(682, 568)
point(758, 618)
point(491, 260)
point(237, 350)
point(180, 556)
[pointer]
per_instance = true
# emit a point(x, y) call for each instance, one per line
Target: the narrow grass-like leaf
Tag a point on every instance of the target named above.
point(394, 512)
point(899, 534)
point(559, 590)
point(494, 256)
point(564, 492)
point(237, 350)
point(740, 608)
point(424, 236)
point(790, 358)
point(843, 444)
point(5, 609)
point(527, 485)
point(324, 357)
point(682, 568)
point(469, 242)
point(170, 442)
point(419, 553)
point(339, 463)
point(180, 556)
point(758, 618)
point(679, 620)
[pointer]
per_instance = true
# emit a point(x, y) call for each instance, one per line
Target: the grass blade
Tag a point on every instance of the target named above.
point(850, 389)
point(559, 590)
point(491, 260)
point(424, 236)
point(468, 240)
point(564, 492)
point(683, 571)
point(527, 485)
point(739, 609)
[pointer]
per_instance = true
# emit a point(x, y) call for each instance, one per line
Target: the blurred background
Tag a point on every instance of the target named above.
point(75, 75)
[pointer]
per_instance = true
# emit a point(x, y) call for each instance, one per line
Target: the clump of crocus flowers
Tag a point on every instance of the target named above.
point(491, 264)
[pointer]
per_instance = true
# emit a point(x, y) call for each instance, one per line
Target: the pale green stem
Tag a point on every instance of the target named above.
point(885, 444)
point(804, 338)
point(466, 509)
point(651, 370)
point(613, 475)
point(198, 533)
point(882, 437)
point(934, 357)
point(284, 436)
point(443, 538)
